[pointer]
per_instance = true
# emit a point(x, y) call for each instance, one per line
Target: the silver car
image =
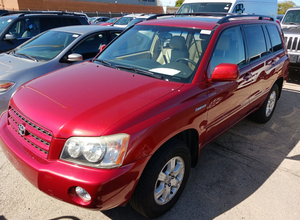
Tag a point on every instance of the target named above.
point(49, 51)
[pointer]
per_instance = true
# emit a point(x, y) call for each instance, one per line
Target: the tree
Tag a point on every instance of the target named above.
point(283, 6)
point(178, 3)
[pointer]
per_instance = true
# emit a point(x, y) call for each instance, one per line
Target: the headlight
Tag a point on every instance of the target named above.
point(100, 152)
point(6, 85)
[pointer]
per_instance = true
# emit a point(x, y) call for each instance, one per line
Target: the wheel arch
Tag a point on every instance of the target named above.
point(279, 82)
point(191, 138)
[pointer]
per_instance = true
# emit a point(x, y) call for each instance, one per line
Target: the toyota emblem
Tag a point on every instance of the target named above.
point(22, 129)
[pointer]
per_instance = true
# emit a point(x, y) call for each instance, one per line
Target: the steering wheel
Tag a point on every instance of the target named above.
point(186, 59)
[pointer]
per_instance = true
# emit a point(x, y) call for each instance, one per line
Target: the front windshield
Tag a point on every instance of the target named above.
point(292, 17)
point(4, 22)
point(124, 21)
point(46, 46)
point(168, 53)
point(204, 7)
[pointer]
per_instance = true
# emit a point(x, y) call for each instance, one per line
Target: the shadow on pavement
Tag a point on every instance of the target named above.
point(236, 164)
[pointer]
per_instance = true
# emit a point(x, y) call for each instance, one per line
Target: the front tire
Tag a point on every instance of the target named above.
point(163, 180)
point(265, 112)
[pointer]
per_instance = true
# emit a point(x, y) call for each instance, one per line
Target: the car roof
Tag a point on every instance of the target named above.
point(187, 22)
point(207, 21)
point(85, 29)
point(294, 8)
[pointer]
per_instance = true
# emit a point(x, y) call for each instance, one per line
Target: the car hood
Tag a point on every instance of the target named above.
point(291, 30)
point(10, 64)
point(86, 99)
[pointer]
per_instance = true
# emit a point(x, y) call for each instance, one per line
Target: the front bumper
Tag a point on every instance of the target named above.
point(108, 188)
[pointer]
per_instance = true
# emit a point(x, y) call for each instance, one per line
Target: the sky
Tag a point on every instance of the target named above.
point(171, 2)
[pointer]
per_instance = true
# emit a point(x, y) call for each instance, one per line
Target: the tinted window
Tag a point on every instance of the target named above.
point(255, 42)
point(27, 27)
point(53, 22)
point(229, 49)
point(275, 38)
point(74, 21)
point(4, 22)
point(89, 48)
point(267, 38)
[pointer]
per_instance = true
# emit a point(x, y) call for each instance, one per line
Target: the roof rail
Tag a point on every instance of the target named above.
point(259, 17)
point(23, 13)
point(159, 15)
point(225, 16)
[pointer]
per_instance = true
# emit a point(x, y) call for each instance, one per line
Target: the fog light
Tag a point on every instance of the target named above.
point(83, 194)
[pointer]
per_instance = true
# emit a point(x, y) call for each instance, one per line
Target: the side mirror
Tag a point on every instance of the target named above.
point(75, 57)
point(225, 72)
point(9, 37)
point(102, 47)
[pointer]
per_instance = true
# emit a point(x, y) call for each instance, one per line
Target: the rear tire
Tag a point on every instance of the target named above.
point(163, 180)
point(265, 112)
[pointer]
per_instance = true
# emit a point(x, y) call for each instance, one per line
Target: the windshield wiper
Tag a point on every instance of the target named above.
point(27, 56)
point(294, 23)
point(140, 71)
point(104, 62)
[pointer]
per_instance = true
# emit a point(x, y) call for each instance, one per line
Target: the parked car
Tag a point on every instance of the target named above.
point(290, 24)
point(265, 7)
point(128, 126)
point(139, 19)
point(125, 20)
point(97, 20)
point(110, 21)
point(279, 17)
point(49, 51)
point(3, 12)
point(15, 29)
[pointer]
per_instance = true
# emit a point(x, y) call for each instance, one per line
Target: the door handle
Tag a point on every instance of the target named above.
point(248, 76)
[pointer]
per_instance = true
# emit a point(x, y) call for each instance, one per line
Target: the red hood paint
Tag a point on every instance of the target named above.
point(86, 99)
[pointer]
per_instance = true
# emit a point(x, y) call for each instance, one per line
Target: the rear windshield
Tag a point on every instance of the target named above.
point(204, 7)
point(124, 20)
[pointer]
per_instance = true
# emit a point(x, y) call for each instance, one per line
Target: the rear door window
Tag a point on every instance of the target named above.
point(51, 22)
point(256, 43)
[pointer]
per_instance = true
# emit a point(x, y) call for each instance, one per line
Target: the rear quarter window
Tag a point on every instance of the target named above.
point(275, 38)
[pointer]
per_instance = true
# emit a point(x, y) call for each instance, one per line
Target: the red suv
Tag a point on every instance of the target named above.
point(129, 125)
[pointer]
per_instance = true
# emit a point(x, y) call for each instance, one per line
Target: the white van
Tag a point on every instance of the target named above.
point(260, 7)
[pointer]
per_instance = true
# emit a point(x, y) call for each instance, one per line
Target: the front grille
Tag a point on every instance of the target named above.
point(292, 43)
point(35, 137)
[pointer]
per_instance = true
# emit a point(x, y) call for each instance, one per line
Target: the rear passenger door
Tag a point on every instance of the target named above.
point(265, 57)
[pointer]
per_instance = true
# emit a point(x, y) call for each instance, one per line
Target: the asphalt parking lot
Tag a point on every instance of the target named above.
point(250, 172)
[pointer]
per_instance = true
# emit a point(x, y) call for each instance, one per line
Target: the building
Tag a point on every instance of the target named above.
point(101, 6)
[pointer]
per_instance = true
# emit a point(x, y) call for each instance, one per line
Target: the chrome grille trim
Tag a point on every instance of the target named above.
point(40, 149)
point(292, 43)
point(35, 136)
point(31, 124)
